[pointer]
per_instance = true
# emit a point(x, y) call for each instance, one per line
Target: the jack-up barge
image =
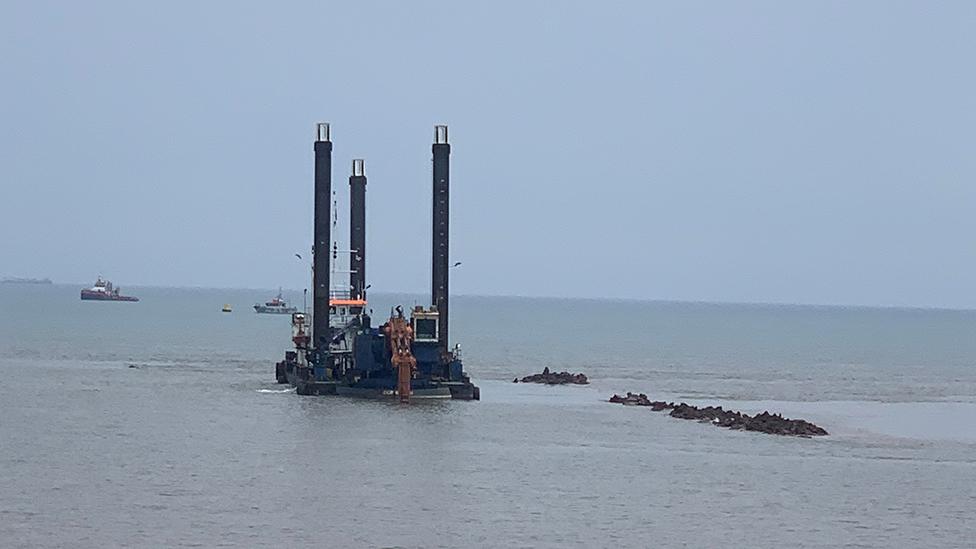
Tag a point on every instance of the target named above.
point(338, 351)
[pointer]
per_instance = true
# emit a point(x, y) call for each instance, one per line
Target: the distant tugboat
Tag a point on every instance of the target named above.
point(276, 306)
point(104, 291)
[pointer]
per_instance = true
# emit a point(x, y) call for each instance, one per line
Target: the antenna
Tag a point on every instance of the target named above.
point(335, 243)
point(335, 210)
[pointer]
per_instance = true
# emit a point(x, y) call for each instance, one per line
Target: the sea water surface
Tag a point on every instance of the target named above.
point(159, 424)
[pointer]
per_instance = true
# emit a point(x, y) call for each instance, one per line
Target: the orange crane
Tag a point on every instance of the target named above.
point(399, 335)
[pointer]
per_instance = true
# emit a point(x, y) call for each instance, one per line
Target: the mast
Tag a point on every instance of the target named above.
point(357, 230)
point(322, 238)
point(440, 245)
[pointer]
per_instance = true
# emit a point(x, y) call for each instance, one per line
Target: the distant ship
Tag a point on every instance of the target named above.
point(227, 308)
point(276, 306)
point(104, 291)
point(17, 280)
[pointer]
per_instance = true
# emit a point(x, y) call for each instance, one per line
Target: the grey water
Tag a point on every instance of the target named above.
point(159, 424)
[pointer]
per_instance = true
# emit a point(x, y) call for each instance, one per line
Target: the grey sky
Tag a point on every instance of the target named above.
point(738, 151)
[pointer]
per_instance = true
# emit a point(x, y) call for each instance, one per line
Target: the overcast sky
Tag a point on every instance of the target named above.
point(729, 151)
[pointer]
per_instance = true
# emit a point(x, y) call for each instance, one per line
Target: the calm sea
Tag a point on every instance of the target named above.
point(158, 424)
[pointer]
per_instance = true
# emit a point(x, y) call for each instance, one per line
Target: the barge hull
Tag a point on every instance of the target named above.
point(424, 390)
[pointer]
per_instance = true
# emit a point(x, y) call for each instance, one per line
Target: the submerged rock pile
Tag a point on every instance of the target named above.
point(774, 424)
point(553, 378)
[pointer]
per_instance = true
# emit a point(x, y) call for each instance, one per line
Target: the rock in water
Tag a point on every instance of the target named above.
point(552, 378)
point(774, 424)
point(641, 399)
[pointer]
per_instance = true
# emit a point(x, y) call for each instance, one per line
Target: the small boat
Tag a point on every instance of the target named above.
point(277, 306)
point(226, 308)
point(104, 291)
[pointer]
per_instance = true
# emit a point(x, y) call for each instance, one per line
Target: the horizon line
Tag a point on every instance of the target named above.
point(718, 302)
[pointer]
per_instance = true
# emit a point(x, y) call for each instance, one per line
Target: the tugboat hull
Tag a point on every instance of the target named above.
point(102, 296)
point(261, 309)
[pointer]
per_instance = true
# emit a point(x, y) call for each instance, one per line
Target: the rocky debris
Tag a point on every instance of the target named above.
point(774, 424)
point(641, 399)
point(554, 378)
point(631, 399)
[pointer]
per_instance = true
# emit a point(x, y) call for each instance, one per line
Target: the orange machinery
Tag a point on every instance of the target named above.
point(399, 334)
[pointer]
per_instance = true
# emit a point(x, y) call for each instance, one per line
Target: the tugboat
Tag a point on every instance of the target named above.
point(277, 306)
point(337, 350)
point(104, 291)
